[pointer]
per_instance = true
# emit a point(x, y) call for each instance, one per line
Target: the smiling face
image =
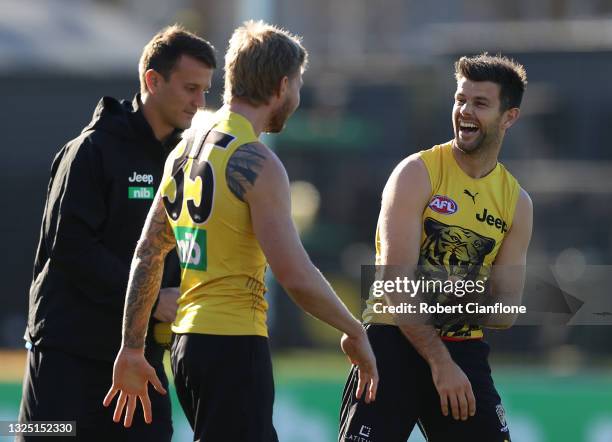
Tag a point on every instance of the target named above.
point(179, 97)
point(478, 121)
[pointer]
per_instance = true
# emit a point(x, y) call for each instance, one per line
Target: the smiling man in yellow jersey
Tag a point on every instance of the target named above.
point(453, 209)
point(224, 201)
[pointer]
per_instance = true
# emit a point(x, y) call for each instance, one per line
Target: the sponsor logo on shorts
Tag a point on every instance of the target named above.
point(363, 436)
point(141, 193)
point(356, 438)
point(443, 204)
point(191, 247)
point(501, 414)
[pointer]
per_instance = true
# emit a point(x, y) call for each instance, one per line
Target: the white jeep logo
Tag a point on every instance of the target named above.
point(141, 178)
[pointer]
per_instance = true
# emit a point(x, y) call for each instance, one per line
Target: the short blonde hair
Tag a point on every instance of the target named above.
point(258, 57)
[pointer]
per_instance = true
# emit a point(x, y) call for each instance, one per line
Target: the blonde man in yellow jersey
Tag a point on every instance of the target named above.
point(453, 209)
point(224, 201)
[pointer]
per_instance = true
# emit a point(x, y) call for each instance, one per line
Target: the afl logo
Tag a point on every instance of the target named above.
point(443, 204)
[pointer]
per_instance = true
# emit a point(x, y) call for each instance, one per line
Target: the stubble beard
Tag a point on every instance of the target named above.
point(276, 122)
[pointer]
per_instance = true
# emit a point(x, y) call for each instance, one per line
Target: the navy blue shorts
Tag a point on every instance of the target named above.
point(60, 386)
point(407, 396)
point(225, 386)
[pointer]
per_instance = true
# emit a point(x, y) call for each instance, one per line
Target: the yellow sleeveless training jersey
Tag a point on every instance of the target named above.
point(223, 266)
point(464, 225)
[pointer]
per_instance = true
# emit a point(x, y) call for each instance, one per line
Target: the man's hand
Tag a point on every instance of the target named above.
point(360, 353)
point(131, 376)
point(166, 307)
point(453, 386)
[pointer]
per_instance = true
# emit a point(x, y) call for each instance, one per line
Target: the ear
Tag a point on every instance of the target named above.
point(153, 80)
point(510, 116)
point(283, 87)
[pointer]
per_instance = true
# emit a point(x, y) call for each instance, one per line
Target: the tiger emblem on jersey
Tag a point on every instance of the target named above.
point(452, 252)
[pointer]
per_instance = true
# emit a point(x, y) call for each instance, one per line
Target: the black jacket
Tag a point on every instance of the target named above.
point(102, 185)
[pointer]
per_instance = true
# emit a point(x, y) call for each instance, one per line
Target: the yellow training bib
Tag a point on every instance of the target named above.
point(464, 225)
point(223, 266)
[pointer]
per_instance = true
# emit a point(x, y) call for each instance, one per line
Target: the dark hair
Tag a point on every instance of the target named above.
point(258, 57)
point(167, 46)
point(509, 74)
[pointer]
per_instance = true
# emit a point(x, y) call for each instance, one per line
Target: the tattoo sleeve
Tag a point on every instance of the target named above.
point(146, 272)
point(243, 168)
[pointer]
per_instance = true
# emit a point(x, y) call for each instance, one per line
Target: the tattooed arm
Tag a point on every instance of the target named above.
point(146, 273)
point(131, 372)
point(256, 176)
point(244, 167)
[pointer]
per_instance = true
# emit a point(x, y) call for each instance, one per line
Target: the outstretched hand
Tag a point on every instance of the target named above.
point(131, 376)
point(360, 354)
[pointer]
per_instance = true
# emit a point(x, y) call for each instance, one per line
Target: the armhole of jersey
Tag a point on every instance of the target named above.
point(516, 193)
point(433, 180)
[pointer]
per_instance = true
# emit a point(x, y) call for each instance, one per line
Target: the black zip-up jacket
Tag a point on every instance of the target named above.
point(102, 185)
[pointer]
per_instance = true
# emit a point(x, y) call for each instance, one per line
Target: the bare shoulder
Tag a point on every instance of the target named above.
point(409, 166)
point(409, 175)
point(524, 202)
point(522, 224)
point(523, 213)
point(250, 164)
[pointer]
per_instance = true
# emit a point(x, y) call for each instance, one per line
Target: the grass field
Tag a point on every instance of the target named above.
point(540, 407)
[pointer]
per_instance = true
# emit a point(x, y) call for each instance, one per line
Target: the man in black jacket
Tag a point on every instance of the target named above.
point(102, 184)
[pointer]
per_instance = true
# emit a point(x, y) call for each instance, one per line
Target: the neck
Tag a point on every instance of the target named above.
point(477, 164)
point(258, 116)
point(161, 130)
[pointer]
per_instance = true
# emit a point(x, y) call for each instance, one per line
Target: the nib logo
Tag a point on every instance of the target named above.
point(141, 193)
point(191, 247)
